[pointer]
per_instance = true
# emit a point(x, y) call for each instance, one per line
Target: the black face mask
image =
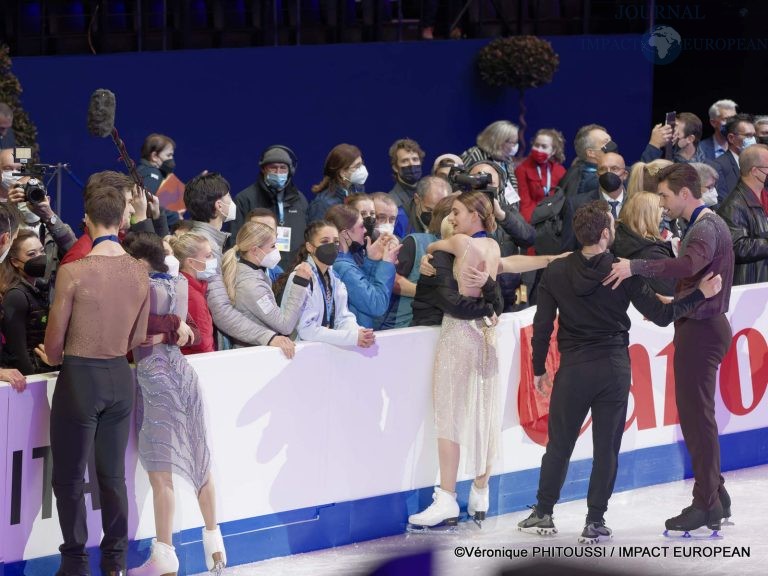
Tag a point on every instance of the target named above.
point(426, 218)
point(326, 253)
point(410, 174)
point(762, 140)
point(35, 267)
point(168, 166)
point(610, 146)
point(370, 223)
point(609, 182)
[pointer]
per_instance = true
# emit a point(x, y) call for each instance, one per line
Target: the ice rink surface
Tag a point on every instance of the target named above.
point(636, 517)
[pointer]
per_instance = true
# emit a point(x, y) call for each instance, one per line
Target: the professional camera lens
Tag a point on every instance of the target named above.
point(35, 191)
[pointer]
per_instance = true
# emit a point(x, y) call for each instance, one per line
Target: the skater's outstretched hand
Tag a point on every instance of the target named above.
point(543, 384)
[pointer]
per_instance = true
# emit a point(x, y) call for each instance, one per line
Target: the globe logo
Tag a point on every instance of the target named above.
point(662, 45)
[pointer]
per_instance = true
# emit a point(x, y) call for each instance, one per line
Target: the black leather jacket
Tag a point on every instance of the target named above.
point(746, 219)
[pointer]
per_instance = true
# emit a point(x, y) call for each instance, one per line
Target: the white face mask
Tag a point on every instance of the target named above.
point(210, 269)
point(710, 196)
point(231, 212)
point(359, 176)
point(270, 259)
point(9, 180)
point(173, 265)
point(385, 228)
point(515, 148)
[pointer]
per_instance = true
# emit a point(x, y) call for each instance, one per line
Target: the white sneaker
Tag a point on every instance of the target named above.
point(477, 507)
point(215, 555)
point(162, 562)
point(444, 509)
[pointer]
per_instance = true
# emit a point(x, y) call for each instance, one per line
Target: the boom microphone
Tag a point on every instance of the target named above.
point(101, 123)
point(101, 113)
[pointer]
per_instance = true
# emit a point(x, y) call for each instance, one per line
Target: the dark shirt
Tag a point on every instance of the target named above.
point(592, 317)
point(706, 247)
point(439, 294)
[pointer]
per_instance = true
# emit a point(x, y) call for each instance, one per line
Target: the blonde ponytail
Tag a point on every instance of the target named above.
point(229, 272)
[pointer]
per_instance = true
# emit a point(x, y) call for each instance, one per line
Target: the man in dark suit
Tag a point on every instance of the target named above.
point(740, 133)
point(611, 174)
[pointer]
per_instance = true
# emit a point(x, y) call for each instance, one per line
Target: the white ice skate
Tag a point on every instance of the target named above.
point(162, 562)
point(444, 511)
point(215, 555)
point(477, 506)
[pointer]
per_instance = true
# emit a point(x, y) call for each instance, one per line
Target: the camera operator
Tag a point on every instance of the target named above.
point(27, 192)
point(513, 232)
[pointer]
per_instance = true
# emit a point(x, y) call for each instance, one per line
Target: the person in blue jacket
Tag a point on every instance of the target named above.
point(369, 284)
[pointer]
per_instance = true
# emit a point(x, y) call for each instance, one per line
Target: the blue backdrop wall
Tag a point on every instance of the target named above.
point(222, 107)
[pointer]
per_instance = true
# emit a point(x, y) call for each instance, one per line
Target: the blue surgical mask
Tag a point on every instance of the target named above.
point(747, 142)
point(277, 180)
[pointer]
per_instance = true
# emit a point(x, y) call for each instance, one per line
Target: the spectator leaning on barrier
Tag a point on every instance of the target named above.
point(244, 269)
point(369, 285)
point(24, 294)
point(266, 216)
point(325, 316)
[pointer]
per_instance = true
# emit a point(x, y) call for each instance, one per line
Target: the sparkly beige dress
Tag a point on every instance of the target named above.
point(465, 390)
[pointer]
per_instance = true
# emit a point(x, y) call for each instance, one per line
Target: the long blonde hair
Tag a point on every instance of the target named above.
point(250, 235)
point(642, 213)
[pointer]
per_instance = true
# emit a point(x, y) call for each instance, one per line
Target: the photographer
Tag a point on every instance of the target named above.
point(513, 232)
point(28, 194)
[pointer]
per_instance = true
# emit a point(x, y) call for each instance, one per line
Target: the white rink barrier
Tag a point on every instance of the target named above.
point(338, 445)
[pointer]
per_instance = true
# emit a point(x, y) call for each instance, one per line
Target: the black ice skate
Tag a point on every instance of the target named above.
point(595, 532)
point(537, 523)
point(691, 519)
point(725, 502)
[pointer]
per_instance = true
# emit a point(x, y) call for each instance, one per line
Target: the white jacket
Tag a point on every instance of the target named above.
point(345, 328)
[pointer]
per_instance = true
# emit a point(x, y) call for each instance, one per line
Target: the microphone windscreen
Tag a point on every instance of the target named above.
point(101, 113)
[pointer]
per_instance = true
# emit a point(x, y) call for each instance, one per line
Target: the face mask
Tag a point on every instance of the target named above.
point(270, 259)
point(173, 265)
point(9, 180)
point(35, 267)
point(710, 196)
point(426, 218)
point(326, 253)
point(539, 156)
point(354, 245)
point(763, 140)
point(723, 131)
point(359, 176)
point(168, 166)
point(370, 224)
point(610, 146)
point(410, 174)
point(5, 253)
point(385, 228)
point(747, 142)
point(609, 182)
point(210, 269)
point(515, 148)
point(277, 180)
point(231, 212)
point(30, 218)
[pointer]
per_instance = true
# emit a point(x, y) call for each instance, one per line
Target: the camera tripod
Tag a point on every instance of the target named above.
point(58, 170)
point(496, 7)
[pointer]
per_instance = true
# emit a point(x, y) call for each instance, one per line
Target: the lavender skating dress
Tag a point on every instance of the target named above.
point(169, 412)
